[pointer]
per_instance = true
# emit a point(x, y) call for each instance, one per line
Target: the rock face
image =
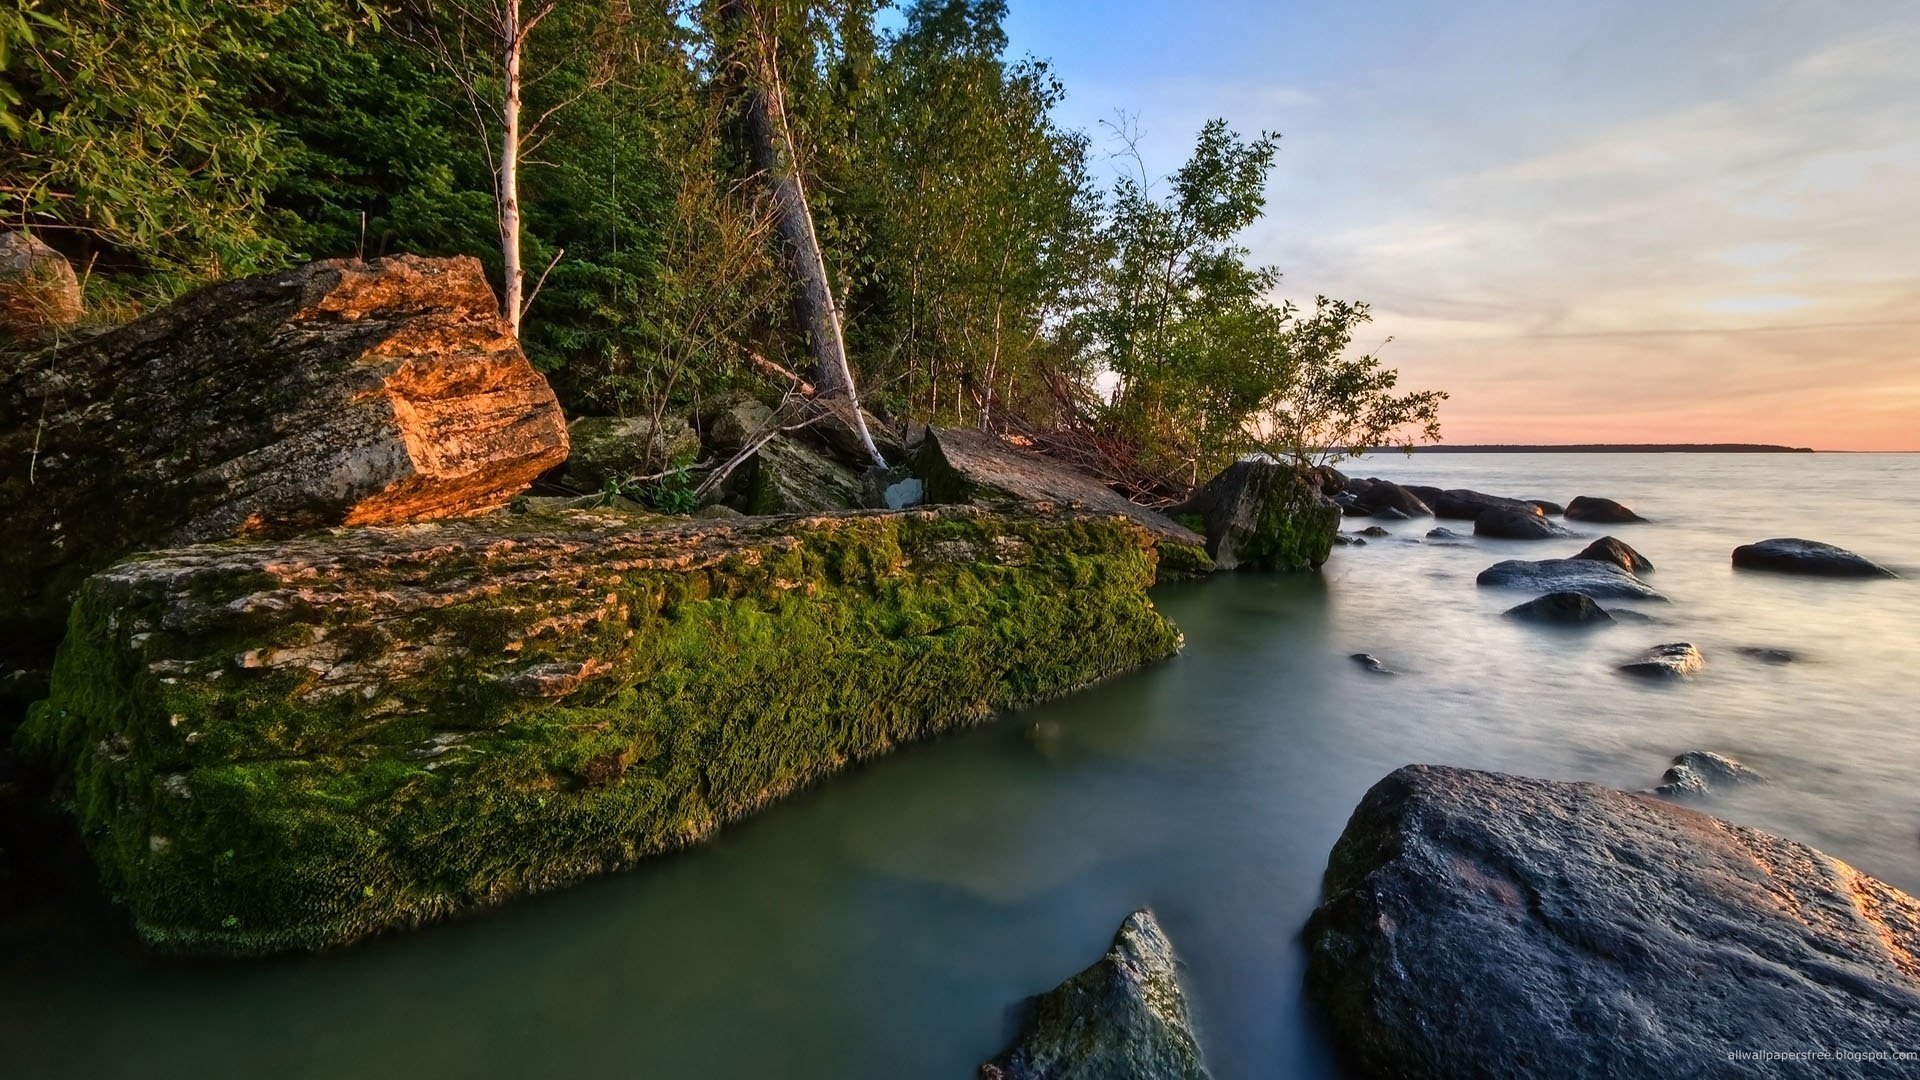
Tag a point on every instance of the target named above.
point(1124, 1018)
point(38, 288)
point(965, 466)
point(338, 393)
point(1792, 556)
point(1609, 550)
point(1492, 926)
point(1600, 511)
point(292, 745)
point(1671, 661)
point(1601, 580)
point(610, 447)
point(1462, 504)
point(1264, 514)
point(1561, 607)
point(1697, 772)
point(1516, 525)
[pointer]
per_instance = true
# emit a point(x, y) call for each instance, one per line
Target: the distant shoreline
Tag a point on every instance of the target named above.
point(1609, 448)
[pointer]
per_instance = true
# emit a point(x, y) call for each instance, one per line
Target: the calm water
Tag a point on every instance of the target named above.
point(882, 924)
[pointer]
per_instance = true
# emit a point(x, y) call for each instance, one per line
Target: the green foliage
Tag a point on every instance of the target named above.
point(1340, 406)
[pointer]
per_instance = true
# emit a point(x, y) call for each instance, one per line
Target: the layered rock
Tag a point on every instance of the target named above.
point(1483, 925)
point(1266, 515)
point(338, 393)
point(1789, 555)
point(295, 744)
point(1123, 1018)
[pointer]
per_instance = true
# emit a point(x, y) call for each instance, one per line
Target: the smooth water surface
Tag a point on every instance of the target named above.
point(882, 924)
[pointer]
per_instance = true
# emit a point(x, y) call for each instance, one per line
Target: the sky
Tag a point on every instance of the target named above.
point(1596, 221)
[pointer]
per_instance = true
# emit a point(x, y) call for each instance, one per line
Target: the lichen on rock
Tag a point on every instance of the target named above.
point(1266, 515)
point(292, 745)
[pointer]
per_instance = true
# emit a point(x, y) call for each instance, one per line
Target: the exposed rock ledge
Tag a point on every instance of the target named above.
point(1484, 925)
point(292, 745)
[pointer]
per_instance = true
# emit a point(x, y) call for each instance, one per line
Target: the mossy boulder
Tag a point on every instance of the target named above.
point(607, 448)
point(293, 745)
point(1123, 1018)
point(788, 476)
point(1266, 515)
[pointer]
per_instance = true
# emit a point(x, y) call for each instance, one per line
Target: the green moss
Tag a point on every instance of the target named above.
point(233, 808)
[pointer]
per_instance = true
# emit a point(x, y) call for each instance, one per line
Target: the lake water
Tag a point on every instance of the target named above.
point(882, 924)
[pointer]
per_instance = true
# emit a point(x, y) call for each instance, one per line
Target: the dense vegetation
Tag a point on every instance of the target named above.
point(984, 275)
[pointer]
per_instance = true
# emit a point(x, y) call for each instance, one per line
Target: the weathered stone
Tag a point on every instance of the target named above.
point(1600, 511)
point(1265, 515)
point(607, 448)
point(1380, 495)
point(1793, 556)
point(384, 726)
point(1517, 525)
point(337, 393)
point(732, 423)
point(1492, 926)
point(1609, 550)
point(1597, 579)
point(788, 476)
point(1462, 504)
point(1696, 772)
point(961, 465)
point(1124, 1018)
point(38, 288)
point(1561, 607)
point(1672, 661)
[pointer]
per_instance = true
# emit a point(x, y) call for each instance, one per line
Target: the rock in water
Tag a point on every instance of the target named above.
point(1600, 511)
point(1515, 525)
point(1597, 579)
point(1792, 556)
point(1671, 661)
point(1266, 515)
point(293, 745)
point(1696, 772)
point(38, 288)
point(1382, 495)
point(1124, 1018)
point(1371, 664)
point(1561, 607)
point(1549, 508)
point(1443, 533)
point(1375, 531)
point(1492, 926)
point(1465, 505)
point(961, 465)
point(338, 393)
point(1609, 550)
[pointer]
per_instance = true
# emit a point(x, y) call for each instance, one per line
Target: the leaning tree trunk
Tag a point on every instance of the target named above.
point(774, 157)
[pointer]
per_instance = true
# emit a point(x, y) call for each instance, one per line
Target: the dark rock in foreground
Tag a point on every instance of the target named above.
point(1669, 661)
point(1698, 772)
point(1124, 1018)
point(1600, 511)
point(1561, 607)
point(1492, 926)
point(1600, 580)
point(1266, 515)
point(1609, 550)
point(1792, 556)
point(1514, 525)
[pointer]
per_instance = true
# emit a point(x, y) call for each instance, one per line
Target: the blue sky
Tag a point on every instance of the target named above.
point(1615, 221)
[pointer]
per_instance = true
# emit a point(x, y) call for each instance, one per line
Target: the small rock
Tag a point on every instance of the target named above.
point(1793, 556)
point(1561, 607)
point(1515, 525)
point(1374, 530)
point(1392, 514)
point(1370, 662)
point(1697, 771)
point(1609, 550)
point(1767, 654)
point(1600, 511)
point(1627, 614)
point(1673, 660)
point(1443, 533)
point(1348, 540)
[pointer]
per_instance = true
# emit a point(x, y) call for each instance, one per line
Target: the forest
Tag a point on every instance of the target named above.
point(636, 176)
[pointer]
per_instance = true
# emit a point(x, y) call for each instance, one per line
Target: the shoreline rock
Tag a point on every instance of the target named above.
point(1789, 555)
point(1265, 515)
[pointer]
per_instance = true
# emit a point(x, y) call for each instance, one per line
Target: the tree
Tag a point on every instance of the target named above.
point(1337, 407)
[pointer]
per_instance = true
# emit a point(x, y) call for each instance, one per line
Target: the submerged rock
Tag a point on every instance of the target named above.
point(380, 727)
point(1696, 772)
point(1669, 661)
point(338, 393)
point(1515, 525)
point(1492, 926)
point(1265, 515)
point(1600, 511)
point(1609, 550)
point(1768, 654)
point(1561, 607)
point(1124, 1018)
point(1601, 580)
point(1792, 556)
point(1371, 663)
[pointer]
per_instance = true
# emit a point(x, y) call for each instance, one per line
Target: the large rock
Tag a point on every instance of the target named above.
point(1792, 556)
point(338, 393)
point(788, 476)
point(291, 745)
point(1462, 504)
point(1601, 580)
point(1609, 550)
point(607, 448)
point(1379, 495)
point(1265, 514)
point(1124, 1018)
point(38, 288)
point(1600, 511)
point(961, 465)
point(1517, 525)
point(1492, 926)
